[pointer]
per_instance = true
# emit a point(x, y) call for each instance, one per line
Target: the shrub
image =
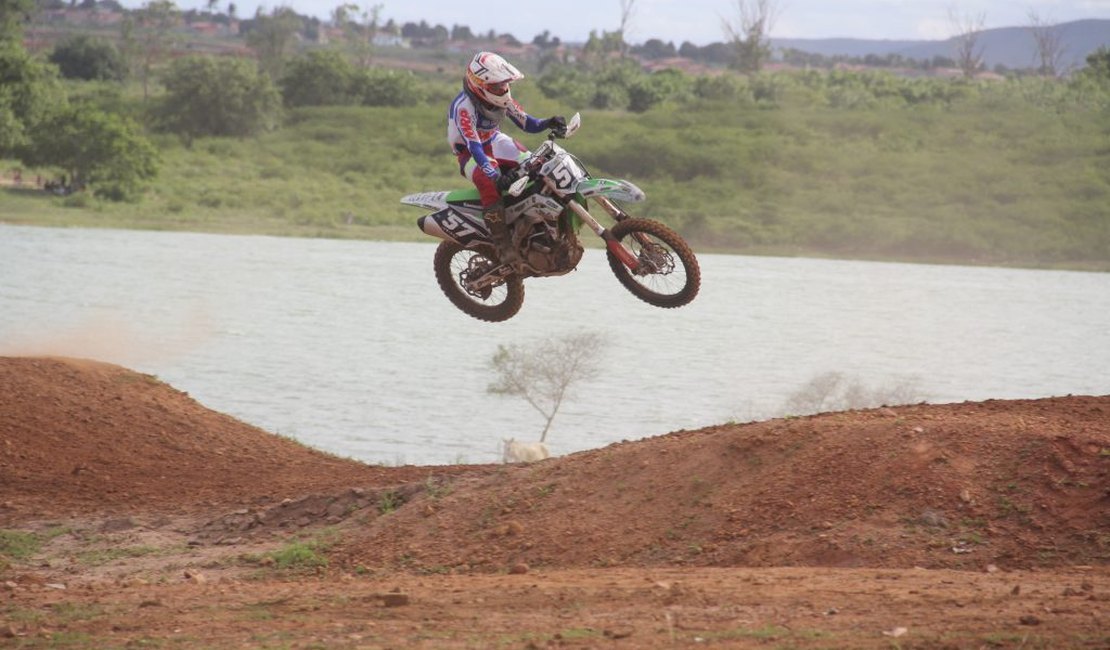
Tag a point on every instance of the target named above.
point(106, 152)
point(381, 87)
point(90, 58)
point(28, 89)
point(319, 78)
point(217, 96)
point(723, 87)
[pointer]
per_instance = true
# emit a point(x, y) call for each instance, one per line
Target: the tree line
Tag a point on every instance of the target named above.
point(106, 146)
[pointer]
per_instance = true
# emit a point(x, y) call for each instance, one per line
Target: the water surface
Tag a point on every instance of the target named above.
point(350, 347)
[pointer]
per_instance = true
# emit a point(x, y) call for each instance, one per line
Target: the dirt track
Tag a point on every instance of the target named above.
point(136, 516)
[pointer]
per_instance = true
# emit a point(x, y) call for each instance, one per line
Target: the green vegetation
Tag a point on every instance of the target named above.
point(18, 545)
point(208, 96)
point(302, 555)
point(94, 148)
point(326, 78)
point(389, 501)
point(830, 163)
point(90, 58)
point(299, 556)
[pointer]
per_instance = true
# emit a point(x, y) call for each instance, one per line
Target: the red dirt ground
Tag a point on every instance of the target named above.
point(160, 522)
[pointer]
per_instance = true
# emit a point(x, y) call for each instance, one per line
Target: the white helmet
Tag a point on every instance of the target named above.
point(488, 77)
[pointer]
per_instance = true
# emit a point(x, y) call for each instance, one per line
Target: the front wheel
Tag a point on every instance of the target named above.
point(456, 267)
point(668, 275)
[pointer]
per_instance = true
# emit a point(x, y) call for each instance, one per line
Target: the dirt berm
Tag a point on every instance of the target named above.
point(960, 525)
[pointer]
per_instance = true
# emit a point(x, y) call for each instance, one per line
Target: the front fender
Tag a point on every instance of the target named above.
point(612, 189)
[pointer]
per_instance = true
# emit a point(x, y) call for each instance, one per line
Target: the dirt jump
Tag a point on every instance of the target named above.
point(133, 516)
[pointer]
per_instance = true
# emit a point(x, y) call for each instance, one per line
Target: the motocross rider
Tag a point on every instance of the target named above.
point(474, 133)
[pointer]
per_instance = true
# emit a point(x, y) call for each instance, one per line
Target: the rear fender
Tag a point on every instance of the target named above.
point(440, 200)
point(466, 229)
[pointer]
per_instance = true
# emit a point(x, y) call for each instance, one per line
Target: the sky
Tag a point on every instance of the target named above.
point(699, 21)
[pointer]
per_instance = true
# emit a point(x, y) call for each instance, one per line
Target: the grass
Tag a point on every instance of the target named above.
point(19, 545)
point(303, 555)
point(298, 556)
point(436, 488)
point(389, 501)
point(999, 175)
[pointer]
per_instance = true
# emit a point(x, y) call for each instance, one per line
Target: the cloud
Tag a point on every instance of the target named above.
point(933, 28)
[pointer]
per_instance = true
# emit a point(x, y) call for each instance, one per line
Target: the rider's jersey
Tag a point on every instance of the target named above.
point(470, 128)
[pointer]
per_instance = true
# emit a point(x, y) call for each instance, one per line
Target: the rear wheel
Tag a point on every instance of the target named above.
point(668, 275)
point(456, 266)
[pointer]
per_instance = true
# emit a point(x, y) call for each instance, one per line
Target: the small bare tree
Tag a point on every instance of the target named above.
point(272, 38)
point(749, 33)
point(627, 8)
point(969, 52)
point(360, 28)
point(832, 391)
point(544, 374)
point(1049, 42)
point(147, 37)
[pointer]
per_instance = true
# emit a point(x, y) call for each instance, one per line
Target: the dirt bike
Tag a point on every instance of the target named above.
point(545, 206)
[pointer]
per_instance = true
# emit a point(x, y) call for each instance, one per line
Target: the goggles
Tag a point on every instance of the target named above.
point(499, 88)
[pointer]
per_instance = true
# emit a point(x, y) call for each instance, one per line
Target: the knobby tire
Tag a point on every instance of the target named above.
point(657, 232)
point(448, 277)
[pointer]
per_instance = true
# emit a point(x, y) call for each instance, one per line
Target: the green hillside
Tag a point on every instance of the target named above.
point(826, 163)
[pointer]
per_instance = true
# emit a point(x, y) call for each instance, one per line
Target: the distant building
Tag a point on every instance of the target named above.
point(85, 17)
point(216, 29)
point(384, 39)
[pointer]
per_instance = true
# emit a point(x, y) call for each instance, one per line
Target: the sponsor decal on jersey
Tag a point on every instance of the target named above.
point(466, 125)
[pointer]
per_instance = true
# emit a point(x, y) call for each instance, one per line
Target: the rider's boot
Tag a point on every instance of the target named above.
point(494, 216)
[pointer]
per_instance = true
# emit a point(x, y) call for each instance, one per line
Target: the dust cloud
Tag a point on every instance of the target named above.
point(114, 337)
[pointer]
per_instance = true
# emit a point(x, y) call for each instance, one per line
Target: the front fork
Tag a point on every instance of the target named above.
point(627, 257)
point(614, 211)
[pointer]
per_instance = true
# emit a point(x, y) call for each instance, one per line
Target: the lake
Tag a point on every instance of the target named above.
point(349, 346)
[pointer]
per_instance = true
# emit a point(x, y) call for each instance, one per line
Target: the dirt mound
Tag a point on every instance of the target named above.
point(83, 437)
point(1010, 483)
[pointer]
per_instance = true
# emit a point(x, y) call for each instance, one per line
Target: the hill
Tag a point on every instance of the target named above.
point(1016, 483)
point(1012, 47)
point(136, 517)
point(81, 436)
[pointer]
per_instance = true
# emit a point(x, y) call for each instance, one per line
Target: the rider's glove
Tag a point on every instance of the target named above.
point(504, 181)
point(558, 124)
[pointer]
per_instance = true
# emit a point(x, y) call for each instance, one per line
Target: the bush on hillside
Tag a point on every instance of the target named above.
point(89, 58)
point(383, 87)
point(217, 96)
point(104, 152)
point(28, 89)
point(318, 78)
point(326, 78)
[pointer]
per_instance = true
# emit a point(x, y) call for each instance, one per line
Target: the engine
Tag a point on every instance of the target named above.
point(545, 249)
